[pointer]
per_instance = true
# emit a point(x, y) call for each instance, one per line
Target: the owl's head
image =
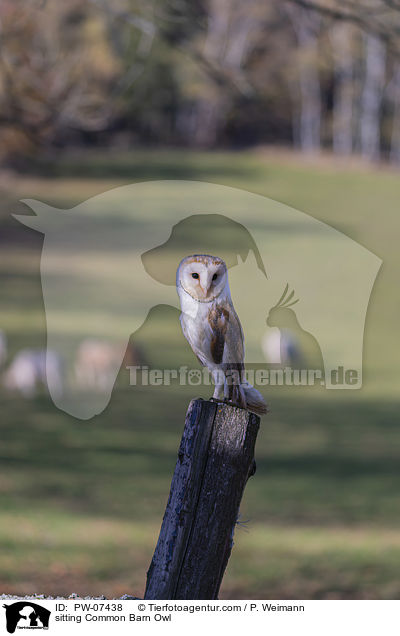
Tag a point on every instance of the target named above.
point(202, 276)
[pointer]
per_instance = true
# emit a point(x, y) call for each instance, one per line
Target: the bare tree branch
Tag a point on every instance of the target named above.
point(366, 18)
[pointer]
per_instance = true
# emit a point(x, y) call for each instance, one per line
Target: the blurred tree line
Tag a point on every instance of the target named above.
point(312, 74)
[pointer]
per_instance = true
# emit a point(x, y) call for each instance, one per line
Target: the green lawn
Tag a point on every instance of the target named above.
point(82, 501)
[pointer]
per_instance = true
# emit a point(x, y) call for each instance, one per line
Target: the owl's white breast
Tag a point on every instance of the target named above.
point(195, 323)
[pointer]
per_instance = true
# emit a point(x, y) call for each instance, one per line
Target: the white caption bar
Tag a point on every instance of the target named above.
point(279, 618)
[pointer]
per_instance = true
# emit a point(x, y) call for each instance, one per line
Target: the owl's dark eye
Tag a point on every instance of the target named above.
point(215, 277)
point(194, 275)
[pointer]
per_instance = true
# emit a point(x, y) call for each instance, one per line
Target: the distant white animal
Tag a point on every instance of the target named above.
point(211, 326)
point(30, 370)
point(271, 346)
point(97, 362)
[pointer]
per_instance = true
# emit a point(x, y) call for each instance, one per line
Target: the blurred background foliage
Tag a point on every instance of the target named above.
point(298, 101)
point(204, 74)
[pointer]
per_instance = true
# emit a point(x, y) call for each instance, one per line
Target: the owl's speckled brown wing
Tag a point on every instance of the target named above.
point(227, 341)
point(215, 336)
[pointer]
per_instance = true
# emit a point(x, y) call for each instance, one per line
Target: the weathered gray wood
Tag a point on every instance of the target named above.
point(215, 459)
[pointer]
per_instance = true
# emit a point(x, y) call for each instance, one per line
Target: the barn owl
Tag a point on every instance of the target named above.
point(213, 330)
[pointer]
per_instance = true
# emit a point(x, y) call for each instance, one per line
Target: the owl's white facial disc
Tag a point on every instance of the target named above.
point(203, 277)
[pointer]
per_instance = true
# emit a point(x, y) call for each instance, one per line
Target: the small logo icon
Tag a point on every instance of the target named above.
point(26, 615)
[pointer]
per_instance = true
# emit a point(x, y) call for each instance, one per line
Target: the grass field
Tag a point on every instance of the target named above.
point(82, 501)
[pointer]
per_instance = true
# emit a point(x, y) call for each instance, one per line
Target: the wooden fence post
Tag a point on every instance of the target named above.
point(215, 459)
